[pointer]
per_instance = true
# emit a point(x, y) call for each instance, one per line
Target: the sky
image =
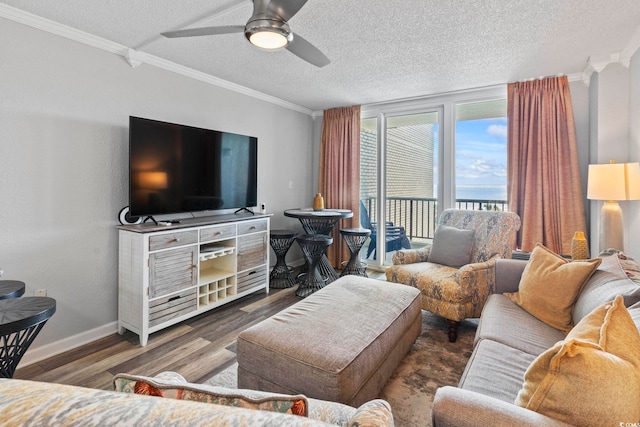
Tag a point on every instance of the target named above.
point(481, 152)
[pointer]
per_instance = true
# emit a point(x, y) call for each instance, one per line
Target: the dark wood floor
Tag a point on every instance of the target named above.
point(197, 348)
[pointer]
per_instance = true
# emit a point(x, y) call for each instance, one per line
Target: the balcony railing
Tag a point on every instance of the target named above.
point(419, 215)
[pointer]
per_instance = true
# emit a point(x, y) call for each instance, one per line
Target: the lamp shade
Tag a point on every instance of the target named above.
point(614, 181)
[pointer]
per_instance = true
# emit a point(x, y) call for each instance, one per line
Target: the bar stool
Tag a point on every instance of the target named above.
point(280, 276)
point(313, 247)
point(354, 238)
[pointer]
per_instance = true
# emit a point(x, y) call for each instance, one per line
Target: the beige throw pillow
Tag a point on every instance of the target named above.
point(550, 286)
point(592, 377)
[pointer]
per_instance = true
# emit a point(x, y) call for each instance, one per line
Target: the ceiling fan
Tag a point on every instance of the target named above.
point(268, 29)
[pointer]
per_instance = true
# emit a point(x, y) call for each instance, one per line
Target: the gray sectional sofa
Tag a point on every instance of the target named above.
point(509, 339)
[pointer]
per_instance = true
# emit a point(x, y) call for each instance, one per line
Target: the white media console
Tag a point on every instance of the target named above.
point(168, 274)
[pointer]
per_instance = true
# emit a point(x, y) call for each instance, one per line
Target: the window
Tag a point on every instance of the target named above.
point(481, 155)
point(421, 156)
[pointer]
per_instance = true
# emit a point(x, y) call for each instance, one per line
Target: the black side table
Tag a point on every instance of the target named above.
point(354, 238)
point(313, 247)
point(11, 289)
point(280, 276)
point(21, 319)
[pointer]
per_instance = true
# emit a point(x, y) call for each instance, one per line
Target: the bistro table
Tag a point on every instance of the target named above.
point(21, 319)
point(320, 222)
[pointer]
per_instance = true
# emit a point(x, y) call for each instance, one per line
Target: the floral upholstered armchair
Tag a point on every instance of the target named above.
point(456, 273)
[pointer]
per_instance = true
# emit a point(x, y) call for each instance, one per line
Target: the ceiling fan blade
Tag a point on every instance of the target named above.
point(285, 9)
point(305, 50)
point(205, 31)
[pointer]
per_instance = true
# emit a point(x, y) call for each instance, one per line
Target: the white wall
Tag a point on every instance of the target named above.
point(580, 103)
point(64, 110)
point(633, 212)
point(615, 96)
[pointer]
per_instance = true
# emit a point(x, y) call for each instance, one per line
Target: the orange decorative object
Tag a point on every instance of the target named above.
point(579, 246)
point(318, 202)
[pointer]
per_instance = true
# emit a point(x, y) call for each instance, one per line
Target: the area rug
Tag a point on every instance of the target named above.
point(432, 362)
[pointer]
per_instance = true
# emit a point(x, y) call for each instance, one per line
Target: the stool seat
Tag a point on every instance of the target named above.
point(281, 241)
point(313, 247)
point(355, 232)
point(355, 239)
point(282, 234)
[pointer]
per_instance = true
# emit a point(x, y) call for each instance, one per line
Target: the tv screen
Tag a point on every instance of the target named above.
point(176, 168)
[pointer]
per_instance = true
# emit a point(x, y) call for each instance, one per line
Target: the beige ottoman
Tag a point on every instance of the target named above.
point(341, 343)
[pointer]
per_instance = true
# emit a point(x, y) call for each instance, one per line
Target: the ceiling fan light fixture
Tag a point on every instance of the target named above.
point(268, 33)
point(267, 39)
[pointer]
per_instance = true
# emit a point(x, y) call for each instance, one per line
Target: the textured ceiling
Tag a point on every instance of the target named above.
point(380, 50)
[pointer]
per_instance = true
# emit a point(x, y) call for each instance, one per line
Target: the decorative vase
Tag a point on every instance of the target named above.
point(579, 247)
point(318, 202)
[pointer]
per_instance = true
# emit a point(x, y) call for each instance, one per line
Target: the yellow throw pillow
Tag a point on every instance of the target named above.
point(550, 286)
point(592, 377)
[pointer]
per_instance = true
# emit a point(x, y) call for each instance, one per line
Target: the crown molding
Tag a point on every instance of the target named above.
point(135, 58)
point(597, 63)
point(631, 48)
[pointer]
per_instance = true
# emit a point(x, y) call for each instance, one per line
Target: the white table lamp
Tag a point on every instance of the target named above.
point(613, 182)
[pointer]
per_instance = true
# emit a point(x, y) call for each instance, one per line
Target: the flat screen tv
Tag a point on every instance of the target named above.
point(176, 168)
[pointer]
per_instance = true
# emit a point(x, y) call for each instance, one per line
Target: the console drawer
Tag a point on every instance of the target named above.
point(171, 240)
point(251, 279)
point(217, 233)
point(252, 226)
point(167, 308)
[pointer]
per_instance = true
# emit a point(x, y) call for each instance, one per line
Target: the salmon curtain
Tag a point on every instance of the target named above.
point(543, 177)
point(339, 175)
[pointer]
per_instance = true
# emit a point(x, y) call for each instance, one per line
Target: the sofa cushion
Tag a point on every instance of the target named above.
point(495, 370)
point(173, 385)
point(616, 275)
point(592, 378)
point(451, 246)
point(503, 321)
point(550, 285)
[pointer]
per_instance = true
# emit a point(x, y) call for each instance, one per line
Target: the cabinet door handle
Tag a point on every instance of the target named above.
point(253, 227)
point(217, 233)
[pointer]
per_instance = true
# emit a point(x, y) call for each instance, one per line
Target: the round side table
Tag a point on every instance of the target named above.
point(21, 319)
point(11, 289)
point(354, 238)
point(313, 247)
point(280, 276)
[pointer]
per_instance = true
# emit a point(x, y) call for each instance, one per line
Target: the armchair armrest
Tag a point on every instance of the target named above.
point(457, 407)
point(479, 275)
point(411, 256)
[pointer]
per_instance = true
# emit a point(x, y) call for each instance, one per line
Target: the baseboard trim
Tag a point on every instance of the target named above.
point(36, 354)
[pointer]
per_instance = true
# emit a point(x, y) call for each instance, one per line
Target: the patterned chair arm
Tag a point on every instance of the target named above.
point(479, 275)
point(411, 256)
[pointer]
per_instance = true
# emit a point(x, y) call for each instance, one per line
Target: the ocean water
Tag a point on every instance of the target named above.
point(481, 192)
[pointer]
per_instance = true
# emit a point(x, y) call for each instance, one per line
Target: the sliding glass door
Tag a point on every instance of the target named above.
point(400, 198)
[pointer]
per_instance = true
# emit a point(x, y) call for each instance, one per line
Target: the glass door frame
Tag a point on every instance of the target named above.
point(381, 115)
